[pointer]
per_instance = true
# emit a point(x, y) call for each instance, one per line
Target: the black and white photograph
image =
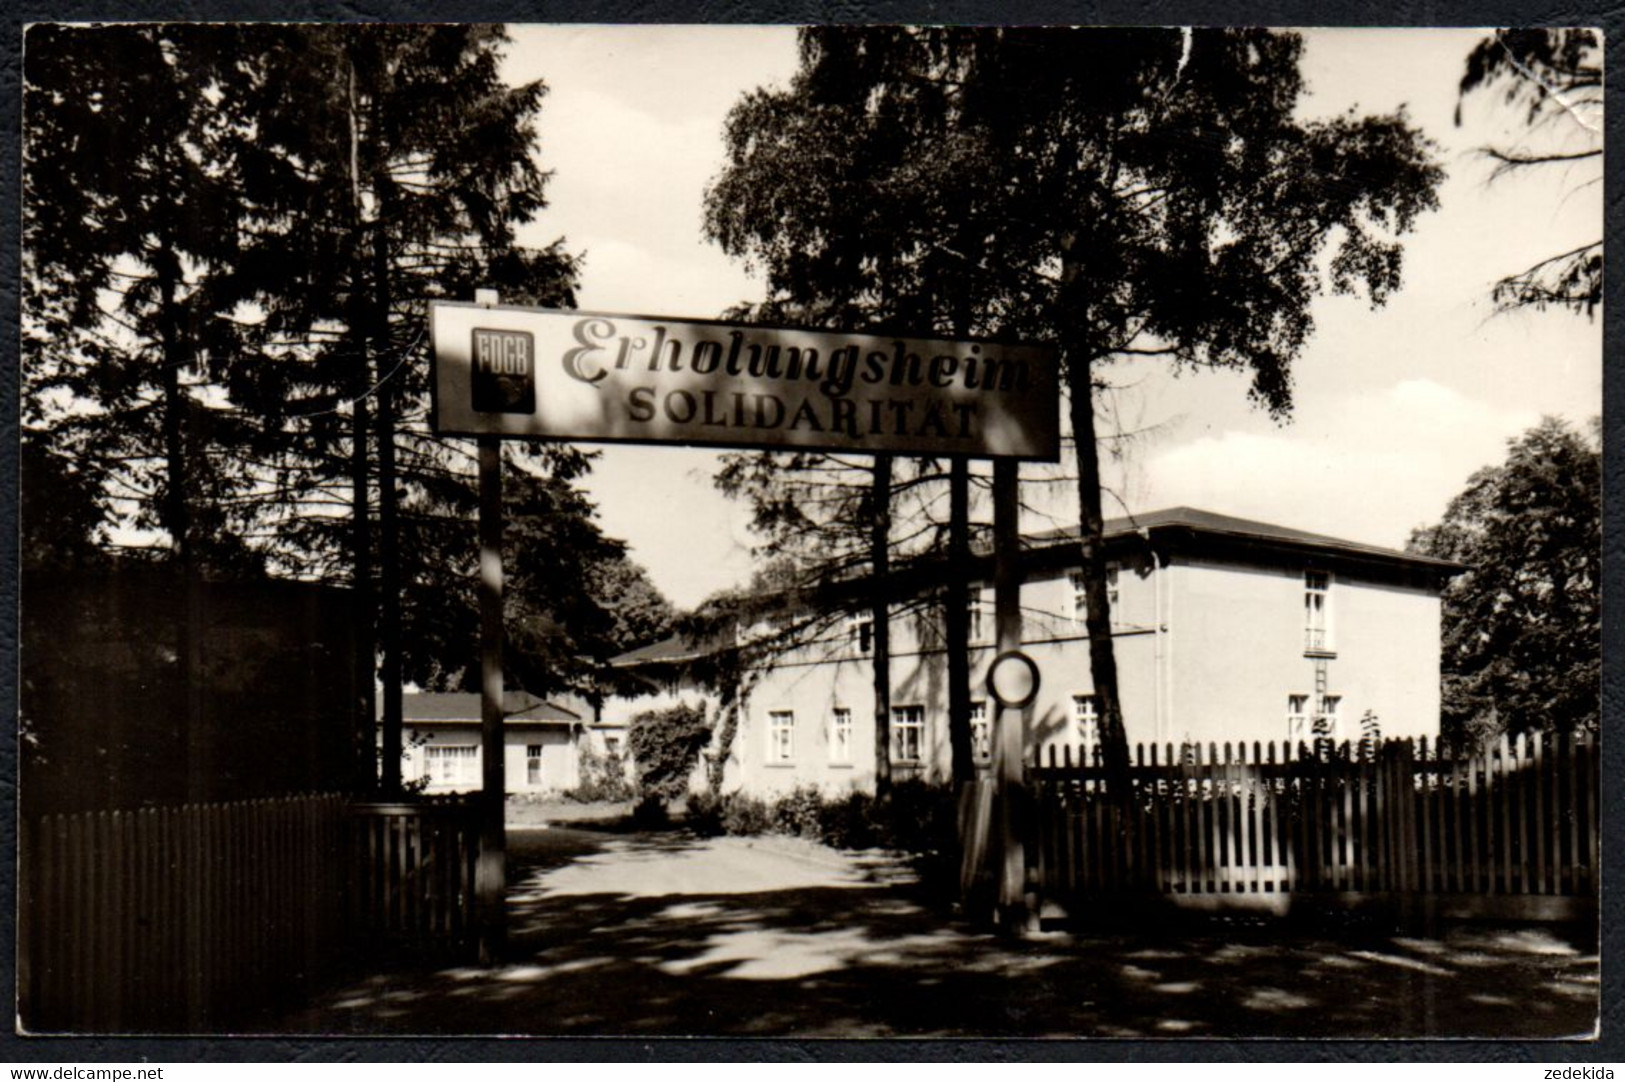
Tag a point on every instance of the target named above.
point(911, 532)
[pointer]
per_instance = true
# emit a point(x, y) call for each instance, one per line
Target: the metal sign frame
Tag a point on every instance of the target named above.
point(609, 377)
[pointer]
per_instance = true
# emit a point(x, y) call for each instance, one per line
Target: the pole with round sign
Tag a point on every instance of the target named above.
point(1013, 683)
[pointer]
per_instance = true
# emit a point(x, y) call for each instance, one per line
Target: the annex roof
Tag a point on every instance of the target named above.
point(518, 707)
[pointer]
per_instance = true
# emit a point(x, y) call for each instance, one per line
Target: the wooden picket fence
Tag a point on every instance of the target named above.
point(176, 919)
point(1248, 824)
point(201, 918)
point(412, 867)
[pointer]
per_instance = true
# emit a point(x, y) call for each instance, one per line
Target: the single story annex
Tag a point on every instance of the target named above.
point(544, 742)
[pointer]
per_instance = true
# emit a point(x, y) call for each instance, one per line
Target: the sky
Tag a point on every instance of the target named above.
point(1395, 407)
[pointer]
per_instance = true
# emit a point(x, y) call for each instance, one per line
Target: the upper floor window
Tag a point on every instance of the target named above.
point(1080, 596)
point(974, 630)
point(862, 630)
point(907, 733)
point(840, 735)
point(781, 736)
point(981, 733)
point(1317, 610)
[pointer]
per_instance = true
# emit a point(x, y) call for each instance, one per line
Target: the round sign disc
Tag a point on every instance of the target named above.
point(1012, 679)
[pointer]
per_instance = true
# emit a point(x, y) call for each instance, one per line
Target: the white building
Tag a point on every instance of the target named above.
point(1225, 630)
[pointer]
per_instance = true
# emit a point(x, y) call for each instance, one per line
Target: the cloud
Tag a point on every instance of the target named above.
point(1369, 469)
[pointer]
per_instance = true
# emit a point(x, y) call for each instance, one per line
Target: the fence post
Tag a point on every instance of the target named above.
point(1402, 810)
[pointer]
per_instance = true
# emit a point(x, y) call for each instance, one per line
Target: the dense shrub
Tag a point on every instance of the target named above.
point(601, 778)
point(919, 817)
point(665, 745)
point(922, 818)
point(704, 814)
point(847, 822)
point(746, 815)
point(799, 812)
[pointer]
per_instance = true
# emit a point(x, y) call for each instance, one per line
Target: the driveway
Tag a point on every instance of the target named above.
point(661, 934)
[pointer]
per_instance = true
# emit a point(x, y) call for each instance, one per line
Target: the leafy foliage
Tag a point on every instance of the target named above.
point(665, 744)
point(231, 233)
point(602, 778)
point(1554, 77)
point(917, 817)
point(1124, 193)
point(1522, 625)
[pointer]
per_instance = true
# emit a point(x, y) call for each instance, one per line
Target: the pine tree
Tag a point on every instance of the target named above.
point(1127, 195)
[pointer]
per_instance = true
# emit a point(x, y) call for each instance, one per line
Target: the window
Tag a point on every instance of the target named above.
point(781, 736)
point(981, 733)
point(863, 634)
point(973, 623)
point(1297, 717)
point(907, 733)
point(533, 765)
point(1317, 611)
point(840, 735)
point(1326, 721)
point(1086, 716)
point(453, 764)
point(1080, 596)
point(612, 745)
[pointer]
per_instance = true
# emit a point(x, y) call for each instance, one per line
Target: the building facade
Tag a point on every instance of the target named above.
point(1224, 630)
point(543, 742)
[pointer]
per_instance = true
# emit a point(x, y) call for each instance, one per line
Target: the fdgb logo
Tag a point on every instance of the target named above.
point(504, 371)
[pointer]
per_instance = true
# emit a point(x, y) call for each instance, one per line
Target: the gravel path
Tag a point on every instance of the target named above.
point(661, 934)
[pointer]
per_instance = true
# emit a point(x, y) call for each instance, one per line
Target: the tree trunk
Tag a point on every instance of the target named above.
point(1098, 620)
point(389, 562)
point(360, 497)
point(176, 515)
point(879, 614)
point(957, 622)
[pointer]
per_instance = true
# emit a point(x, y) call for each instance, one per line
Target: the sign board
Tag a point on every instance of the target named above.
point(535, 373)
point(1012, 679)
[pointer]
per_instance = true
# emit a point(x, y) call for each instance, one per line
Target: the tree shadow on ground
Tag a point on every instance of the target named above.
point(595, 950)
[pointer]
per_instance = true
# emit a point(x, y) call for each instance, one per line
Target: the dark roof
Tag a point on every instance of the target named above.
point(673, 649)
point(462, 706)
point(1049, 546)
point(1228, 526)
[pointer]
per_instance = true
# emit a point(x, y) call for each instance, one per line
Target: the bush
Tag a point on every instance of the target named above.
point(650, 814)
point(601, 778)
point(848, 822)
point(800, 812)
point(745, 815)
point(919, 818)
point(665, 745)
point(704, 814)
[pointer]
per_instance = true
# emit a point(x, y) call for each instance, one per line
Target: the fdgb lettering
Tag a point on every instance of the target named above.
point(504, 371)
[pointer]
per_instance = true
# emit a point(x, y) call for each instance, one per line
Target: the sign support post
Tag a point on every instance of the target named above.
point(490, 870)
point(1011, 730)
